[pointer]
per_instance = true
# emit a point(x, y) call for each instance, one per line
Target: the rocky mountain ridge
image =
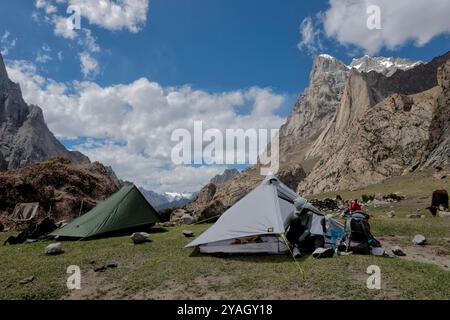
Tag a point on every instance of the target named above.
point(24, 136)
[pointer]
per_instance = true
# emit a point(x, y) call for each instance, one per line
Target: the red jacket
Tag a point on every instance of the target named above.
point(354, 206)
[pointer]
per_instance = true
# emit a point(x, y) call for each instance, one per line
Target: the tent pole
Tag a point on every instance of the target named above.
point(81, 207)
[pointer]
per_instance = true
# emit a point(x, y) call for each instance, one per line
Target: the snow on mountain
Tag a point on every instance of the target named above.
point(175, 196)
point(383, 65)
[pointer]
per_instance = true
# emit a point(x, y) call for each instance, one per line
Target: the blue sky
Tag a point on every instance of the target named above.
point(230, 53)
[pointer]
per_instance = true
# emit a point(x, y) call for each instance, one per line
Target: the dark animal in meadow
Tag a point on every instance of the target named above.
point(440, 198)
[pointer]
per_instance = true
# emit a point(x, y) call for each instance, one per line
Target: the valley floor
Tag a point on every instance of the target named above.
point(163, 269)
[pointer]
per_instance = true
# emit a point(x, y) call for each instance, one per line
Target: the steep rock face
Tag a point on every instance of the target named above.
point(226, 176)
point(314, 108)
point(61, 187)
point(439, 146)
point(395, 136)
point(24, 137)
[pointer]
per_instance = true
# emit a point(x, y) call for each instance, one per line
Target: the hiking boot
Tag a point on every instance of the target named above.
point(323, 253)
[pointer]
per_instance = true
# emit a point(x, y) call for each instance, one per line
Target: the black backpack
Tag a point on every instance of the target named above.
point(357, 233)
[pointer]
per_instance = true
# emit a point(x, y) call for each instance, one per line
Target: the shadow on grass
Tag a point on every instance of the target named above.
point(249, 257)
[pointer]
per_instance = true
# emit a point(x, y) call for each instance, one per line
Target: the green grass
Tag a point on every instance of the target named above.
point(163, 268)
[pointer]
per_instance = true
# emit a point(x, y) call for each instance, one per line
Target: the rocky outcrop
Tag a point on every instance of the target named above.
point(24, 137)
point(314, 108)
point(226, 176)
point(60, 186)
point(366, 143)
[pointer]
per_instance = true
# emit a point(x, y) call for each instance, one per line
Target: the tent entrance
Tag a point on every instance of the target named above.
point(272, 244)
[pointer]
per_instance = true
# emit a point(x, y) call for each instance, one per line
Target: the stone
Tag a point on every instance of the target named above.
point(188, 233)
point(419, 240)
point(413, 216)
point(140, 237)
point(390, 214)
point(54, 249)
point(443, 214)
point(112, 265)
point(26, 280)
point(100, 269)
point(398, 251)
point(177, 215)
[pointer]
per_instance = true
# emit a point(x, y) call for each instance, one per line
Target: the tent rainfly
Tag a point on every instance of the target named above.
point(126, 209)
point(258, 222)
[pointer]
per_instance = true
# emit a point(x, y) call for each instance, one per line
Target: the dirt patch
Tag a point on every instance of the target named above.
point(93, 286)
point(438, 254)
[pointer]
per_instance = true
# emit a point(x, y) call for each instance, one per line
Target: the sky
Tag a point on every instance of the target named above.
point(134, 71)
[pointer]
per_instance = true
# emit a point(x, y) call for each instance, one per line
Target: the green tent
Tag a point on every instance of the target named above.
point(126, 209)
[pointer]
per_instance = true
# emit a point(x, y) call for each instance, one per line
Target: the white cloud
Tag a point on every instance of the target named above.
point(130, 125)
point(6, 43)
point(43, 54)
point(89, 65)
point(310, 36)
point(63, 27)
point(114, 15)
point(46, 5)
point(402, 21)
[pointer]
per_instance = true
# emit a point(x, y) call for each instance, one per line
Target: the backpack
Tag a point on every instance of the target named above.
point(357, 233)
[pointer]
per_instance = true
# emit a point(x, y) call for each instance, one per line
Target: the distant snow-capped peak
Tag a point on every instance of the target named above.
point(173, 196)
point(386, 66)
point(383, 65)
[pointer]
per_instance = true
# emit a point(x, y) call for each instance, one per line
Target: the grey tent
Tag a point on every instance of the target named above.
point(262, 214)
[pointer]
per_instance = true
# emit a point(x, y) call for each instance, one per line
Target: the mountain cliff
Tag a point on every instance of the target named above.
point(383, 127)
point(24, 136)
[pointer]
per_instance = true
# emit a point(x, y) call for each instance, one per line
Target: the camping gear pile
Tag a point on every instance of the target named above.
point(358, 239)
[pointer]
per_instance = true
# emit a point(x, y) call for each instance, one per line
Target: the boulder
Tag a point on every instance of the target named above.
point(140, 237)
point(419, 240)
point(187, 219)
point(398, 251)
point(26, 280)
point(177, 215)
point(54, 249)
point(414, 216)
point(188, 233)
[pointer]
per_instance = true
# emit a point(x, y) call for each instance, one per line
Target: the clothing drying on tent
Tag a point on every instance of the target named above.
point(126, 209)
point(258, 223)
